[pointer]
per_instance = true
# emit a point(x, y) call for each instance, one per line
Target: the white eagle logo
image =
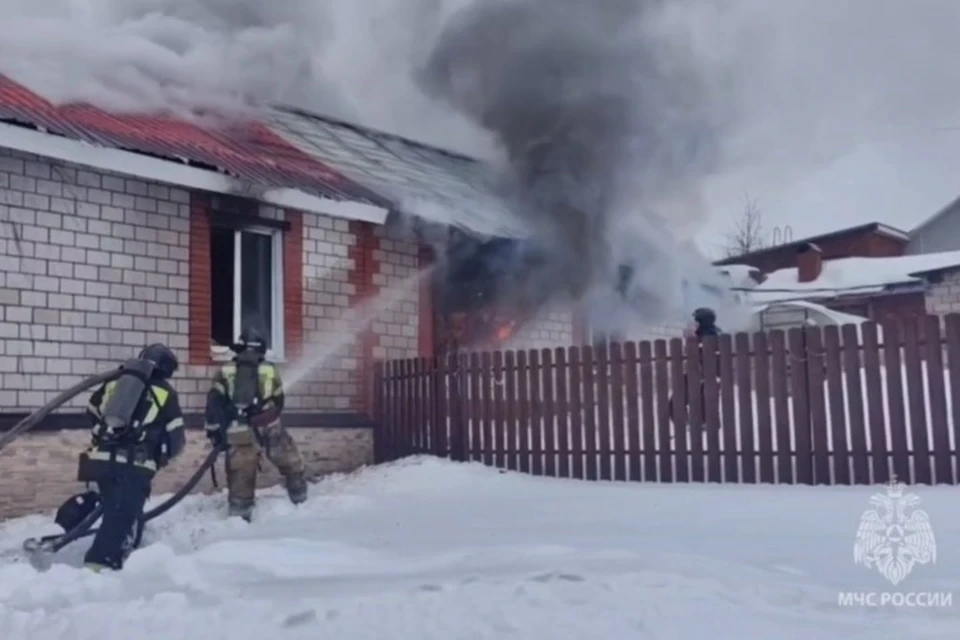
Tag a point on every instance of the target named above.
point(893, 540)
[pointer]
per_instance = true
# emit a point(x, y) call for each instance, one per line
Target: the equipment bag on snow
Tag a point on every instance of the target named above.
point(75, 511)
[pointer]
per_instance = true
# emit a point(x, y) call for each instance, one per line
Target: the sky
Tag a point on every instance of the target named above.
point(899, 183)
point(826, 113)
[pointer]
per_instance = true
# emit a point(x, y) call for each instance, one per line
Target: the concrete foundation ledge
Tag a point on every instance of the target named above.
point(38, 470)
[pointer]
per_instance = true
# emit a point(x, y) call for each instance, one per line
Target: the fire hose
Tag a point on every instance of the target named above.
point(48, 545)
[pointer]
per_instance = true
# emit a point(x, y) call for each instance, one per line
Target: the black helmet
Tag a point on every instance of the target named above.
point(251, 338)
point(705, 316)
point(163, 358)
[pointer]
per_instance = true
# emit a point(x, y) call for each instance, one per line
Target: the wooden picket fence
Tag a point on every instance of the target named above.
point(832, 405)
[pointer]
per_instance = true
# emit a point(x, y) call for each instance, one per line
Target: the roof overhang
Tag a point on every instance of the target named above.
point(170, 172)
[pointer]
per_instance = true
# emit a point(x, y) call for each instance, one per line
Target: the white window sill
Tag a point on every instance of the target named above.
point(224, 354)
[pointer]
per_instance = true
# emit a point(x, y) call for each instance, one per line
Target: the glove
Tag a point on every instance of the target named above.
point(217, 437)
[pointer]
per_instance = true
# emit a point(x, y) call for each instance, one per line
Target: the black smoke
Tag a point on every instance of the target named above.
point(600, 120)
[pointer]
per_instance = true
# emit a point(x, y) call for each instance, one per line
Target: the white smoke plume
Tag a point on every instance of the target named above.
point(776, 87)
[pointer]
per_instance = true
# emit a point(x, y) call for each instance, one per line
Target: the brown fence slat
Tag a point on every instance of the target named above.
point(618, 423)
point(940, 423)
point(633, 396)
point(589, 412)
point(389, 425)
point(765, 424)
point(952, 328)
point(564, 419)
point(896, 421)
point(499, 419)
point(396, 415)
point(859, 451)
point(438, 403)
point(602, 355)
point(781, 405)
point(731, 462)
point(711, 404)
point(406, 407)
point(550, 417)
point(524, 419)
point(574, 394)
point(379, 436)
point(835, 400)
point(875, 405)
point(673, 441)
point(664, 468)
point(694, 427)
point(510, 409)
point(458, 381)
point(745, 404)
point(536, 414)
point(798, 359)
point(486, 404)
point(819, 435)
point(916, 399)
point(473, 415)
point(418, 403)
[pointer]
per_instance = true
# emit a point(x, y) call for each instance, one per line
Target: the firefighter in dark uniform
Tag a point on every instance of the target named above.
point(243, 412)
point(137, 429)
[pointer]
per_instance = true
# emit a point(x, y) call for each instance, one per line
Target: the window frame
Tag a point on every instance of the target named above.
point(277, 351)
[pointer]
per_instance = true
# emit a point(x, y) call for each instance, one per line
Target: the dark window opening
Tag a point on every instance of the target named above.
point(222, 261)
point(234, 304)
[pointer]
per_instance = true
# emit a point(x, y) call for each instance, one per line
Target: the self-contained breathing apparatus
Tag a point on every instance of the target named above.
point(246, 387)
point(121, 400)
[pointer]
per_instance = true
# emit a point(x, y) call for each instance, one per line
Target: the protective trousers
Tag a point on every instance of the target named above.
point(243, 460)
point(123, 495)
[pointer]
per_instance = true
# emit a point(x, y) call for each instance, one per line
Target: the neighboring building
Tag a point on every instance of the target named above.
point(873, 240)
point(879, 289)
point(939, 232)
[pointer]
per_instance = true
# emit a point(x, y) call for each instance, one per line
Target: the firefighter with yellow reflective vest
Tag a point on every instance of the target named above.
point(137, 428)
point(243, 414)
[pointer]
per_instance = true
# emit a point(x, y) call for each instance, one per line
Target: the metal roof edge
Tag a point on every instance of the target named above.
point(374, 132)
point(130, 163)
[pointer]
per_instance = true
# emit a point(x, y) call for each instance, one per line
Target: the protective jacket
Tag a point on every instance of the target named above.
point(223, 412)
point(157, 437)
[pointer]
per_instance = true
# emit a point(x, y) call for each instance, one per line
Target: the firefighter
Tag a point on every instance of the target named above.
point(243, 412)
point(137, 429)
point(705, 324)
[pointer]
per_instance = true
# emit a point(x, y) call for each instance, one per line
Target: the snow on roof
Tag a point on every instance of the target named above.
point(851, 276)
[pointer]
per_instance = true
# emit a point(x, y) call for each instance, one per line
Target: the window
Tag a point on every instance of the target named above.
point(246, 282)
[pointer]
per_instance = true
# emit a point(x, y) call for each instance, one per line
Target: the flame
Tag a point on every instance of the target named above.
point(506, 331)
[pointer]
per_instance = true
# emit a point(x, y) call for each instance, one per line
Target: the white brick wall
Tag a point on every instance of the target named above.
point(944, 297)
point(551, 328)
point(93, 266)
point(398, 326)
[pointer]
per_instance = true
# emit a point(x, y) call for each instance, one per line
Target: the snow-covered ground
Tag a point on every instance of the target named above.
point(425, 548)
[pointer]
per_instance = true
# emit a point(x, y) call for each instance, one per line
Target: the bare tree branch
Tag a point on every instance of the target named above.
point(747, 233)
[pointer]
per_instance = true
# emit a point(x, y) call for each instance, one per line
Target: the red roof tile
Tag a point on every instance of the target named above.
point(250, 151)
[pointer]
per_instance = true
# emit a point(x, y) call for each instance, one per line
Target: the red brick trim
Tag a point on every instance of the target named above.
point(200, 313)
point(200, 320)
point(293, 283)
point(365, 267)
point(425, 331)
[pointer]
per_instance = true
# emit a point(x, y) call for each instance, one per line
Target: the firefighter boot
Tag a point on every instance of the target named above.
point(296, 488)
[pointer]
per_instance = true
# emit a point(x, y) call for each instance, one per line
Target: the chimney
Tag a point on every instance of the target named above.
point(809, 262)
